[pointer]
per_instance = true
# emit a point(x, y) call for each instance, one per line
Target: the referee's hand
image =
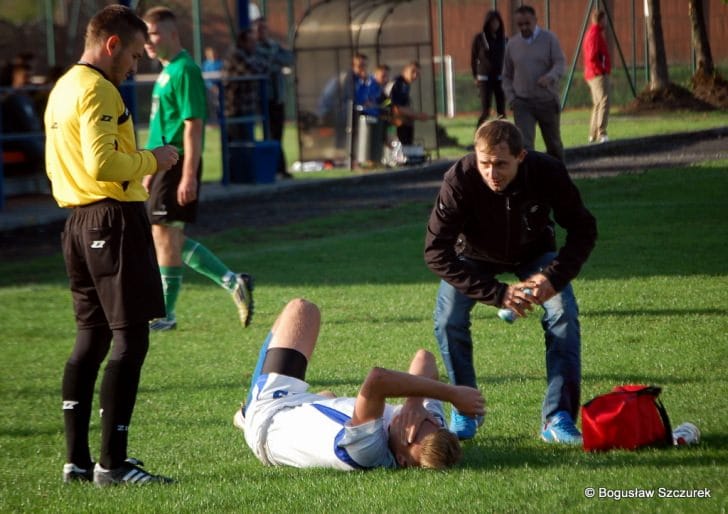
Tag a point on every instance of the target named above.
point(166, 156)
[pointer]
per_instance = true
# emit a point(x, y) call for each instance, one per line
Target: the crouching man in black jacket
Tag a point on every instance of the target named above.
point(495, 214)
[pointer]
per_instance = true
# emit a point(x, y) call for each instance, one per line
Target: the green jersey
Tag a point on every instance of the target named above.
point(179, 94)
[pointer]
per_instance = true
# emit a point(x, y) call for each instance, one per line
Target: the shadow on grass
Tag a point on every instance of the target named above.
point(654, 312)
point(594, 378)
point(32, 432)
point(183, 386)
point(192, 386)
point(660, 380)
point(318, 382)
point(519, 452)
point(487, 313)
point(394, 318)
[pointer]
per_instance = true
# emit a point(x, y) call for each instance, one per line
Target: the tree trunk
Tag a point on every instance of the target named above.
point(659, 77)
point(701, 43)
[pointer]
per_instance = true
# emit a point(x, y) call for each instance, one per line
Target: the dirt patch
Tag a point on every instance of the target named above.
point(670, 98)
point(711, 88)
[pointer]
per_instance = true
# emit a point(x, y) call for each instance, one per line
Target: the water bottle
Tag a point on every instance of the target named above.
point(686, 434)
point(508, 315)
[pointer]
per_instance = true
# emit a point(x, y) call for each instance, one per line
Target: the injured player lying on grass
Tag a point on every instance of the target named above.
point(286, 425)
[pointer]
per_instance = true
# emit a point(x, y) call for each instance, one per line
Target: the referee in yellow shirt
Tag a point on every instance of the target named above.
point(96, 170)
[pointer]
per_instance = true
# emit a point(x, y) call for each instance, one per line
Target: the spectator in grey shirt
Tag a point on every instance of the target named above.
point(534, 64)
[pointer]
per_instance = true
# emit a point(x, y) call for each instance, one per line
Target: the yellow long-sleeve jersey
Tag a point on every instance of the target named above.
point(91, 151)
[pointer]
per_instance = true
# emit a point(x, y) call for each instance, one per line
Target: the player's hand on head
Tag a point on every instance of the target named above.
point(166, 156)
point(412, 415)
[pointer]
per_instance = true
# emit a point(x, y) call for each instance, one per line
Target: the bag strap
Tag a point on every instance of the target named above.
point(665, 421)
point(485, 42)
point(652, 390)
point(655, 391)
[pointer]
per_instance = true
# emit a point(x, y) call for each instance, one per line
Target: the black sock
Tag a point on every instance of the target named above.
point(77, 391)
point(118, 394)
point(119, 390)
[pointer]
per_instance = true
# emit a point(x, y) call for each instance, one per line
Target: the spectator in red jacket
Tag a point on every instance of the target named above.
point(597, 67)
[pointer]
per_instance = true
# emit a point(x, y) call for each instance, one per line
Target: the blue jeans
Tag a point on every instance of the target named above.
point(560, 323)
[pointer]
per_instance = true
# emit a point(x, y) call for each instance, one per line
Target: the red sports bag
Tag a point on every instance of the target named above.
point(628, 417)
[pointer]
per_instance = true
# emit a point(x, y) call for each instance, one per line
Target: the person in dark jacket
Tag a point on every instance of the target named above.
point(18, 116)
point(486, 63)
point(403, 114)
point(495, 214)
point(242, 97)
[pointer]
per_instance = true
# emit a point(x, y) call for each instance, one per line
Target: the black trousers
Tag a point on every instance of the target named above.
point(406, 134)
point(277, 118)
point(488, 89)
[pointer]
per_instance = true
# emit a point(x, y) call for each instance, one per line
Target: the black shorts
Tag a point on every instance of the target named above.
point(162, 205)
point(406, 134)
point(111, 265)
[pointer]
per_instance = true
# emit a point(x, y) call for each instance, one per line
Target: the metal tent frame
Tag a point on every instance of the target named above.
point(591, 5)
point(392, 32)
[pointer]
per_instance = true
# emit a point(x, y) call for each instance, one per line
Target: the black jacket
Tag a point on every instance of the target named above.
point(509, 228)
point(486, 56)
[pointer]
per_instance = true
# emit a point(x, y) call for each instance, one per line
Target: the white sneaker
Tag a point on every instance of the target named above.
point(72, 473)
point(239, 419)
point(604, 139)
point(687, 433)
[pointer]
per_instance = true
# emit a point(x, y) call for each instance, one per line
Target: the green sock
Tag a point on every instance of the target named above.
point(205, 262)
point(171, 283)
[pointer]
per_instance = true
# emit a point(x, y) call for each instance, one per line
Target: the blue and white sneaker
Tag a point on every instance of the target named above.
point(560, 428)
point(464, 426)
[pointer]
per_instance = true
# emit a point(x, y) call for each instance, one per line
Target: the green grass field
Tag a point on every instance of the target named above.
point(653, 306)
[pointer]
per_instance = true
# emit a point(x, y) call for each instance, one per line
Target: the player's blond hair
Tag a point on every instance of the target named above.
point(160, 14)
point(440, 450)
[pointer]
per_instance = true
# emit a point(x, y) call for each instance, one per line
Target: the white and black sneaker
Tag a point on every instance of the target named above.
point(130, 472)
point(72, 473)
